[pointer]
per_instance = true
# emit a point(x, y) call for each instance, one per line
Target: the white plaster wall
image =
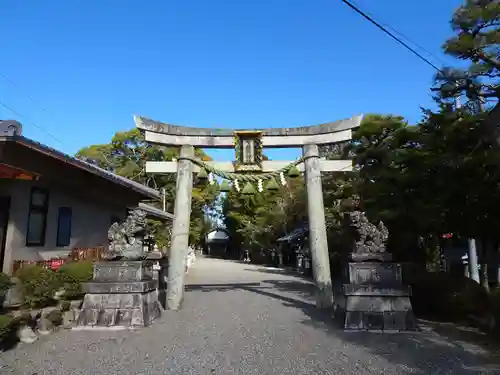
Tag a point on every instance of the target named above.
point(89, 227)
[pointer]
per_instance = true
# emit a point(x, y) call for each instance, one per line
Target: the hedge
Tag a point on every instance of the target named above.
point(72, 276)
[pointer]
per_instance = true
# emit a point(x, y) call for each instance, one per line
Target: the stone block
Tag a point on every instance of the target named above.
point(119, 287)
point(121, 294)
point(138, 317)
point(111, 301)
point(139, 309)
point(401, 304)
point(373, 321)
point(376, 290)
point(124, 317)
point(114, 271)
point(374, 273)
point(88, 317)
point(93, 301)
point(353, 320)
point(127, 301)
point(380, 304)
point(410, 321)
point(358, 303)
point(107, 317)
point(394, 320)
point(374, 299)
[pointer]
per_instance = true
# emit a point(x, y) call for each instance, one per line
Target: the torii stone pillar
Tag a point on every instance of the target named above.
point(180, 230)
point(317, 228)
point(308, 137)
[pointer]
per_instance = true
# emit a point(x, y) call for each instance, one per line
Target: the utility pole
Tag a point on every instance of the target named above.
point(472, 248)
point(488, 247)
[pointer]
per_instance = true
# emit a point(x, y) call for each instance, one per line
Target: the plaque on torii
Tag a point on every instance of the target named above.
point(248, 145)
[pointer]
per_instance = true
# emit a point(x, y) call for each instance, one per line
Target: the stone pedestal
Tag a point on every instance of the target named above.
point(121, 294)
point(373, 298)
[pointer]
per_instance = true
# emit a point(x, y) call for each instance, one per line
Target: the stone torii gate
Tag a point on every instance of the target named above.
point(308, 137)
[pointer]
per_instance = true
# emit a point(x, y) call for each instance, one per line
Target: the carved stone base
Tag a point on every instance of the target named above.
point(374, 309)
point(125, 310)
point(374, 299)
point(121, 294)
point(385, 321)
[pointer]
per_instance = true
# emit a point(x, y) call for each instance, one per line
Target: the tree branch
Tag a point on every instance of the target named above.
point(483, 56)
point(492, 122)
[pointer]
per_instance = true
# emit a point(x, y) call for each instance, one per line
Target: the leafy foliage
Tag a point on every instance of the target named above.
point(72, 275)
point(38, 285)
point(440, 295)
point(126, 155)
point(6, 326)
point(255, 221)
point(5, 283)
point(477, 41)
point(55, 317)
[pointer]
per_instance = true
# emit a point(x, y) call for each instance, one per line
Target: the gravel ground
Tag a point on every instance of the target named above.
point(244, 319)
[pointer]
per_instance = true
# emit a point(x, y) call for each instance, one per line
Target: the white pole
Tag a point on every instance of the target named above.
point(472, 249)
point(163, 199)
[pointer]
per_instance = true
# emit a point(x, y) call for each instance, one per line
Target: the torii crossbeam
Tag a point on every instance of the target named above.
point(307, 137)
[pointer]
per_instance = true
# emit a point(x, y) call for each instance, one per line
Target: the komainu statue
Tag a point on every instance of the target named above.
point(369, 242)
point(126, 238)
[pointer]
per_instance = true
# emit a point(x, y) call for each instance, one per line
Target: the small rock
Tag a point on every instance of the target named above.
point(44, 326)
point(14, 296)
point(68, 318)
point(77, 304)
point(76, 313)
point(26, 335)
point(58, 294)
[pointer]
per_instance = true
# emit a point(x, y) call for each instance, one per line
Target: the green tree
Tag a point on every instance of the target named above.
point(126, 155)
point(477, 41)
point(388, 180)
point(256, 221)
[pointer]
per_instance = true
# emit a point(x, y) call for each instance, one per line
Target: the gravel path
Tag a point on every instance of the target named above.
point(243, 319)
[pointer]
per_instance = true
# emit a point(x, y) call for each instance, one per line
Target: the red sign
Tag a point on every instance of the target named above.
point(55, 264)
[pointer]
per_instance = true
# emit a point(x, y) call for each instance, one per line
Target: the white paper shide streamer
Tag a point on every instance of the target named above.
point(282, 179)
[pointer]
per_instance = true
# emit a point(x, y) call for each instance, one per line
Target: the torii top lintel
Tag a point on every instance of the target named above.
point(174, 135)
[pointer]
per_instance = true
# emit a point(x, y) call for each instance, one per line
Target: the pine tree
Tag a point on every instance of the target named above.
point(477, 40)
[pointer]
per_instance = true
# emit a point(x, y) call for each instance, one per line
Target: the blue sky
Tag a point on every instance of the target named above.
point(90, 65)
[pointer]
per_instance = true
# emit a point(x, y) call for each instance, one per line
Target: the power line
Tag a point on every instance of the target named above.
point(30, 122)
point(14, 84)
point(398, 40)
point(24, 91)
point(403, 36)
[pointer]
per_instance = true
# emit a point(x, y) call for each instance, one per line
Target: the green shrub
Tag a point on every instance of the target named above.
point(38, 285)
point(65, 305)
point(25, 318)
point(495, 301)
point(5, 283)
point(55, 316)
point(444, 296)
point(8, 326)
point(5, 326)
point(72, 276)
